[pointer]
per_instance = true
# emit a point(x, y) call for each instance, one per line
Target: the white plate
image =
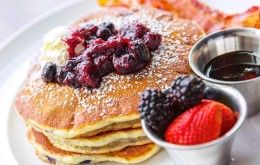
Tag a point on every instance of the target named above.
point(14, 62)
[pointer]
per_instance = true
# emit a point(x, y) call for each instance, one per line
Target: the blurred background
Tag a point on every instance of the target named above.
point(16, 13)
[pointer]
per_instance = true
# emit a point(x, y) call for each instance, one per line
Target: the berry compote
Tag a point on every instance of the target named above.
point(124, 51)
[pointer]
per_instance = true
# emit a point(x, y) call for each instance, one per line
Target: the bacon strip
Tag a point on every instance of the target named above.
point(209, 19)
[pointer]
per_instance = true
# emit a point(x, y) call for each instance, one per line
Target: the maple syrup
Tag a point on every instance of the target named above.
point(234, 66)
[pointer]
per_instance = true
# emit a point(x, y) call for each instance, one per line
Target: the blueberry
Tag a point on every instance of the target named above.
point(49, 72)
point(140, 51)
point(61, 74)
point(108, 25)
point(51, 160)
point(103, 33)
point(70, 65)
point(86, 162)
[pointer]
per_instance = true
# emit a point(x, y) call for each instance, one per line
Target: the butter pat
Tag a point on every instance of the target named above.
point(54, 47)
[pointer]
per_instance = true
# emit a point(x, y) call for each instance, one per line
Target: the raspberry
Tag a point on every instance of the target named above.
point(49, 72)
point(124, 64)
point(156, 110)
point(152, 40)
point(91, 28)
point(87, 75)
point(186, 91)
point(133, 30)
point(104, 64)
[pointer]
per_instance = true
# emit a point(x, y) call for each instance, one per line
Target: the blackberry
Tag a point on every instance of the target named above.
point(186, 92)
point(156, 110)
point(49, 72)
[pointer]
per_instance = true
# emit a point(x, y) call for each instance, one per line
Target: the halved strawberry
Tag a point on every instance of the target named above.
point(228, 117)
point(199, 124)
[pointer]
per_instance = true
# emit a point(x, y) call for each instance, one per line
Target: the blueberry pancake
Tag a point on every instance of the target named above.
point(52, 155)
point(82, 95)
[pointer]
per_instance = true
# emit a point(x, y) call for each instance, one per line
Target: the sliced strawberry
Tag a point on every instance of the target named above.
point(199, 124)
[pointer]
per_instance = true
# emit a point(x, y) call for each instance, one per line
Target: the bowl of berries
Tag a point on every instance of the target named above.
point(195, 122)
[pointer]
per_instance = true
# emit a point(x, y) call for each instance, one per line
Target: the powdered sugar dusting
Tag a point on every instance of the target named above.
point(175, 42)
point(119, 94)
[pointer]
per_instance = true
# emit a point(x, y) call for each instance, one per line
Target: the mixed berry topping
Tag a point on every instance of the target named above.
point(124, 51)
point(182, 115)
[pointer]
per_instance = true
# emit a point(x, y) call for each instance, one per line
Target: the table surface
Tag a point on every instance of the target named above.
point(14, 14)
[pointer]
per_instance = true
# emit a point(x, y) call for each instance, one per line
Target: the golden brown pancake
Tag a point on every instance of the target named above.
point(102, 138)
point(101, 143)
point(68, 112)
point(129, 155)
point(112, 127)
point(116, 146)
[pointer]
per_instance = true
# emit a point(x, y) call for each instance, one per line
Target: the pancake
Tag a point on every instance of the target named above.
point(102, 143)
point(116, 146)
point(112, 127)
point(68, 112)
point(100, 139)
point(129, 155)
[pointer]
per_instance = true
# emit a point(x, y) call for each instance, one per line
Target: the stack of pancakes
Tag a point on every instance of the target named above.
point(77, 126)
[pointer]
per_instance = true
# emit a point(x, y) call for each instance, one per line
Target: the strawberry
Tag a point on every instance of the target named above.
point(228, 117)
point(201, 123)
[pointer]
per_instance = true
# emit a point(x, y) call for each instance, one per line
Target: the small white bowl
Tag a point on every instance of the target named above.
point(216, 152)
